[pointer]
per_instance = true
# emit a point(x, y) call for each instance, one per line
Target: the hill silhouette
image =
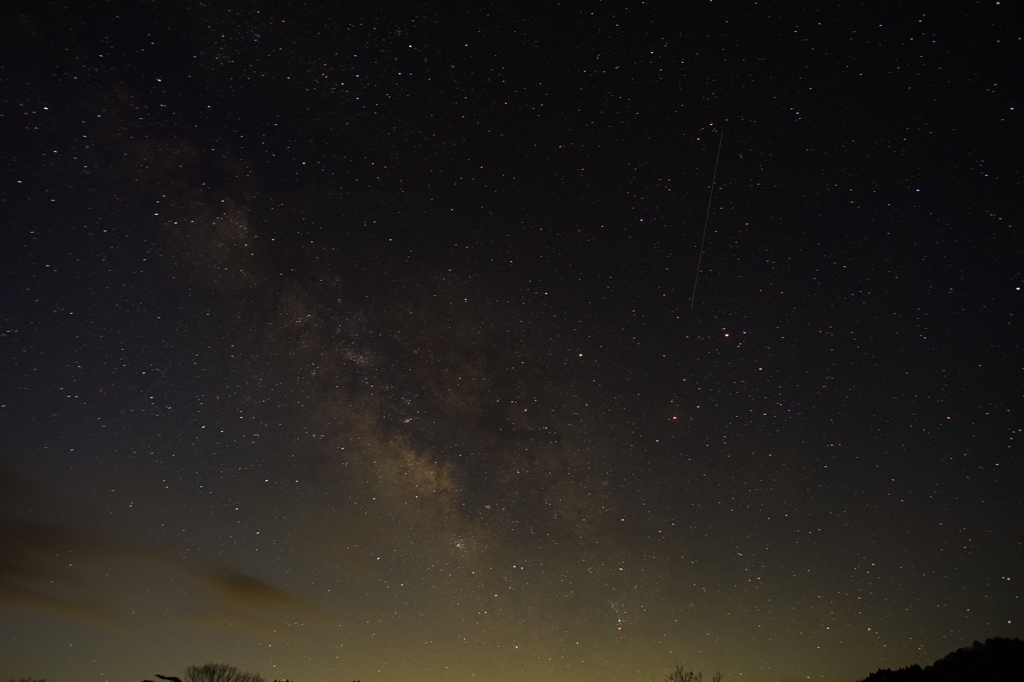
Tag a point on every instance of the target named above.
point(999, 659)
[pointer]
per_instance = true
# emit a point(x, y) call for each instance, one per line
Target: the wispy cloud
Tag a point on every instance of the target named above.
point(52, 565)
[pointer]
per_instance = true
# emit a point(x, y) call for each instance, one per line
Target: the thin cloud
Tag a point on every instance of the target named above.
point(52, 566)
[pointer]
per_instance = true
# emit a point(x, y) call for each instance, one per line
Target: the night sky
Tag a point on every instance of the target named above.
point(360, 341)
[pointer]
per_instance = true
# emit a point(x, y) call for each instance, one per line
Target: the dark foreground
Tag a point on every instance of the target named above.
point(997, 659)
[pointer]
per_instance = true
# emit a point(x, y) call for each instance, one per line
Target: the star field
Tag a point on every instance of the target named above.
point(356, 342)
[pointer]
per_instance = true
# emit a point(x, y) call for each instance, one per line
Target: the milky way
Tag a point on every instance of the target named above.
point(357, 343)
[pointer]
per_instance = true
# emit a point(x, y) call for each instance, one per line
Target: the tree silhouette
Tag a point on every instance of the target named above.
point(219, 672)
point(681, 674)
point(998, 658)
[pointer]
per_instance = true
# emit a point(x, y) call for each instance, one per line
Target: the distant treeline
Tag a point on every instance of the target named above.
point(210, 672)
point(999, 659)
